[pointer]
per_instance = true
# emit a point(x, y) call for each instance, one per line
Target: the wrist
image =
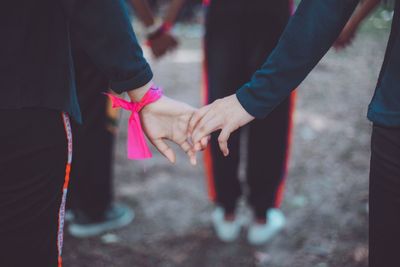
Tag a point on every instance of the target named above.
point(153, 27)
point(137, 94)
point(158, 30)
point(167, 26)
point(239, 104)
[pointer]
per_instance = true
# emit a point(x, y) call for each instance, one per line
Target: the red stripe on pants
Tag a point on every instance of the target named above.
point(281, 188)
point(208, 162)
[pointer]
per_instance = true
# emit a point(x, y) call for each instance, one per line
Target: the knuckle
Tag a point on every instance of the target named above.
point(193, 120)
point(202, 129)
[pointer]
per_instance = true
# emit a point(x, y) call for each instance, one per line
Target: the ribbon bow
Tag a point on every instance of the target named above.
point(136, 145)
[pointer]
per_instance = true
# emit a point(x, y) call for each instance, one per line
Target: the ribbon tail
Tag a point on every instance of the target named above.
point(136, 145)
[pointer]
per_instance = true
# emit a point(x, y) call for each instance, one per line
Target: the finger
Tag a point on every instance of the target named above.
point(223, 140)
point(172, 47)
point(164, 149)
point(197, 146)
point(189, 151)
point(208, 124)
point(173, 43)
point(202, 145)
point(158, 53)
point(204, 142)
point(197, 116)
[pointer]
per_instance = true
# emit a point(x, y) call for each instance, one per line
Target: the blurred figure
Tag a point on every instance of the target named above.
point(158, 34)
point(92, 210)
point(239, 36)
point(350, 29)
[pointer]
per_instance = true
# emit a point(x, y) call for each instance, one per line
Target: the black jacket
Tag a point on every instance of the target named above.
point(307, 37)
point(36, 67)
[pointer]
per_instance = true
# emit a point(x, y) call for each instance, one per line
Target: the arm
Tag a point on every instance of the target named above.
point(103, 30)
point(363, 10)
point(173, 11)
point(159, 36)
point(307, 37)
point(144, 12)
point(146, 15)
point(349, 31)
point(160, 39)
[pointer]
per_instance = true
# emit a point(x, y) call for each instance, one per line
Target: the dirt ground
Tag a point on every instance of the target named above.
point(327, 188)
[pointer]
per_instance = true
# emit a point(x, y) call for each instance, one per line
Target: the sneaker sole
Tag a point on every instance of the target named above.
point(280, 223)
point(90, 230)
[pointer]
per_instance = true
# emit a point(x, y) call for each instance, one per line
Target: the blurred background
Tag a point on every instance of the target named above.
point(326, 195)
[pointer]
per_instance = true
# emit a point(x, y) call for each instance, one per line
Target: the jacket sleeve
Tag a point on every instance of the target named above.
point(308, 36)
point(103, 29)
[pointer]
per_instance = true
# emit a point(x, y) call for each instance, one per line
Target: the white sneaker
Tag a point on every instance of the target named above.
point(226, 231)
point(259, 234)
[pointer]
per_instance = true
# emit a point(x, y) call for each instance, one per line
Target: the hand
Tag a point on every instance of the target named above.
point(226, 114)
point(161, 43)
point(346, 36)
point(167, 119)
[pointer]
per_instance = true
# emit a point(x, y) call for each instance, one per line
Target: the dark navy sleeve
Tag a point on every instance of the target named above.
point(308, 36)
point(103, 29)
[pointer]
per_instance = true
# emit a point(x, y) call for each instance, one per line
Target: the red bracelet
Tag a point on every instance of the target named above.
point(166, 26)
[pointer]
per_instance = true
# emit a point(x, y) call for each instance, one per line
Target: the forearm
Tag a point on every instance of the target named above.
point(173, 11)
point(103, 29)
point(137, 94)
point(309, 35)
point(145, 14)
point(143, 11)
point(363, 10)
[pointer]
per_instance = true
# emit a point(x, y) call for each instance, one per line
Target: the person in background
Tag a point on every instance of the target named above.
point(349, 31)
point(310, 33)
point(239, 36)
point(91, 206)
point(158, 32)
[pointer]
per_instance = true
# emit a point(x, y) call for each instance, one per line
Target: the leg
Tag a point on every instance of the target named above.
point(92, 191)
point(268, 138)
point(33, 160)
point(223, 68)
point(384, 212)
point(91, 185)
point(268, 150)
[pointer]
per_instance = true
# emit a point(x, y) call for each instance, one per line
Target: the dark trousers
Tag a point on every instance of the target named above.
point(33, 158)
point(91, 190)
point(384, 199)
point(239, 37)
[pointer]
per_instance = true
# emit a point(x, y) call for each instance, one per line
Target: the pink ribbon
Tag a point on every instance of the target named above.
point(136, 145)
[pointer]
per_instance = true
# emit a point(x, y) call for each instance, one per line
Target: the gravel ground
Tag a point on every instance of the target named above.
point(327, 188)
